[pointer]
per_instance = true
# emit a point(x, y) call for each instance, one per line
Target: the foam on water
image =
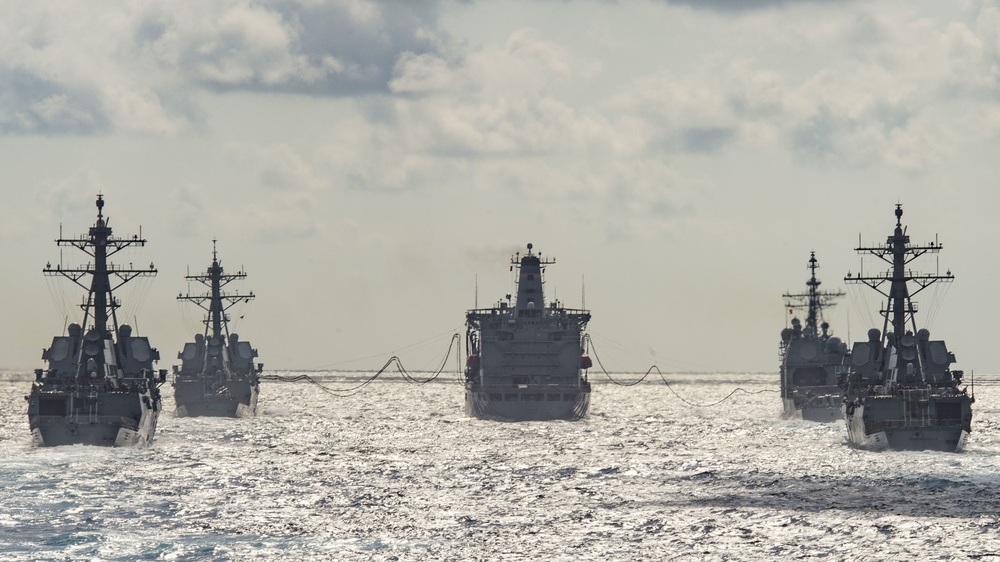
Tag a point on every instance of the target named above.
point(398, 472)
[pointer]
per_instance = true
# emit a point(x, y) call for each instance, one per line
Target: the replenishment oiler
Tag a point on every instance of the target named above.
point(901, 392)
point(100, 387)
point(217, 375)
point(525, 359)
point(811, 357)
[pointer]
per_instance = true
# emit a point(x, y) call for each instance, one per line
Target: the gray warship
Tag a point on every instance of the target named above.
point(217, 375)
point(811, 358)
point(100, 387)
point(525, 360)
point(900, 390)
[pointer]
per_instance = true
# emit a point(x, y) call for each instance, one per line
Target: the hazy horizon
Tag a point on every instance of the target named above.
point(373, 165)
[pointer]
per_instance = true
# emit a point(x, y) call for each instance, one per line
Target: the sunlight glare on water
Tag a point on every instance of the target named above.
point(398, 472)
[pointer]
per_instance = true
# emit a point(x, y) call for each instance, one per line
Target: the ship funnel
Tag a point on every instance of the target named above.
point(530, 297)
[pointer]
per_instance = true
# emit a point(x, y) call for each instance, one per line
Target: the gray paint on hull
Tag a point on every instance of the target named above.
point(477, 404)
point(823, 414)
point(62, 431)
point(192, 400)
point(947, 438)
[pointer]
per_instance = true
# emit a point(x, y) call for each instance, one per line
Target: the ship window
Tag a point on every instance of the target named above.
point(530, 276)
point(552, 397)
point(569, 397)
point(496, 397)
point(510, 397)
point(525, 398)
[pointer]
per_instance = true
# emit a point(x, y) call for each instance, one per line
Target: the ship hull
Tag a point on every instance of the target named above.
point(826, 411)
point(809, 389)
point(103, 428)
point(229, 399)
point(526, 404)
point(868, 428)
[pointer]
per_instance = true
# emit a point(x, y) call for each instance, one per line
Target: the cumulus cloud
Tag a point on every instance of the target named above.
point(494, 122)
point(284, 169)
point(870, 87)
point(31, 104)
point(707, 110)
point(74, 68)
point(494, 101)
point(748, 5)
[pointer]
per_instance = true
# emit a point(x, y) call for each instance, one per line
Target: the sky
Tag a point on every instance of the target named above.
point(373, 165)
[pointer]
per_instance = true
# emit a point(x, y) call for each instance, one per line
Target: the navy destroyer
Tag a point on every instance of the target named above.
point(525, 359)
point(811, 357)
point(217, 375)
point(900, 390)
point(100, 387)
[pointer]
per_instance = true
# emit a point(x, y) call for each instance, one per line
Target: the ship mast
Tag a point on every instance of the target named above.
point(100, 244)
point(218, 302)
point(101, 304)
point(813, 300)
point(898, 252)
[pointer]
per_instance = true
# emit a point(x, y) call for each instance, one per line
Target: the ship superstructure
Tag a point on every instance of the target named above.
point(217, 375)
point(901, 392)
point(100, 387)
point(525, 359)
point(811, 357)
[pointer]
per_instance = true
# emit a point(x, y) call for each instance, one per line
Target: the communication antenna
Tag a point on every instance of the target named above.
point(583, 292)
point(849, 340)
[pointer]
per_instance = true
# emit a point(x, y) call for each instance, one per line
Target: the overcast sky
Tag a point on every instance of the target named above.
point(367, 161)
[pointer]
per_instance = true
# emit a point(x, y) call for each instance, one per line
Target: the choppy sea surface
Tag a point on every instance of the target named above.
point(398, 472)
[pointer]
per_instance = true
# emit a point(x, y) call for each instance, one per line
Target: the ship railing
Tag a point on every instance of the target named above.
point(818, 389)
point(507, 386)
point(916, 393)
point(818, 395)
point(511, 311)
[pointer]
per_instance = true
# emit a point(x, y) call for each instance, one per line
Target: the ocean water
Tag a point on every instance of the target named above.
point(397, 472)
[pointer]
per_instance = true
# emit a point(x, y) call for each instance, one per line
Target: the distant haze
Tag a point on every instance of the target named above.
point(367, 162)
